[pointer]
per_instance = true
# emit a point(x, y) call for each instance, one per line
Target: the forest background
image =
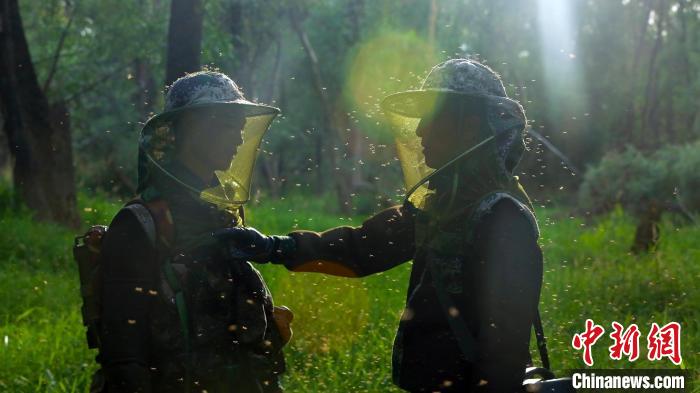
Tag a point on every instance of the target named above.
point(610, 88)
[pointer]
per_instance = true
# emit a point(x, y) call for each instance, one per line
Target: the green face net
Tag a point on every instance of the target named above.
point(234, 183)
point(232, 189)
point(481, 162)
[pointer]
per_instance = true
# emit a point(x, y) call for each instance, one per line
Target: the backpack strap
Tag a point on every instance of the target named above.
point(465, 339)
point(145, 219)
point(182, 313)
point(157, 222)
point(541, 339)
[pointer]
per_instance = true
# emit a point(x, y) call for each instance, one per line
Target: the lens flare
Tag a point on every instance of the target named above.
point(389, 62)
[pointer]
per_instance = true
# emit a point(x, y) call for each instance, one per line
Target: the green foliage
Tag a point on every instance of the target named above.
point(628, 178)
point(633, 179)
point(33, 245)
point(105, 70)
point(111, 65)
point(685, 161)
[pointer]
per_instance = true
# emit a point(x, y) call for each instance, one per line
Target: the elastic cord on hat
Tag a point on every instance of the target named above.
point(449, 163)
point(167, 173)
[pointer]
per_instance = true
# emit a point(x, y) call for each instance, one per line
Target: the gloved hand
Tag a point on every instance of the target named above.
point(249, 244)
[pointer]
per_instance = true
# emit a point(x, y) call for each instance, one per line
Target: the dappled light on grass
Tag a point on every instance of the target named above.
point(343, 328)
point(342, 337)
point(331, 313)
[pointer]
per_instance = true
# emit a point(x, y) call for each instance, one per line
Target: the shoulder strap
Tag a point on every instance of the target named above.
point(485, 205)
point(145, 218)
point(465, 339)
point(541, 340)
point(156, 220)
point(487, 202)
point(157, 223)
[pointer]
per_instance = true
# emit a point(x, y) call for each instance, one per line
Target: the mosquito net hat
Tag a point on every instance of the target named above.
point(489, 162)
point(215, 91)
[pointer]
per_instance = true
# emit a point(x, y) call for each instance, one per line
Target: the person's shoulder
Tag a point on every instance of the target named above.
point(509, 208)
point(128, 249)
point(132, 224)
point(507, 214)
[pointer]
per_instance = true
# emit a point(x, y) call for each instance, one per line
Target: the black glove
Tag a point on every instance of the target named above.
point(249, 244)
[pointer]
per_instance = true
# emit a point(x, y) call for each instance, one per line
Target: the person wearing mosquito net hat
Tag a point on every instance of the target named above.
point(178, 312)
point(466, 223)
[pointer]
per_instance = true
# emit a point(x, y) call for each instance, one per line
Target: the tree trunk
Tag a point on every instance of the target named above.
point(648, 128)
point(354, 138)
point(432, 21)
point(38, 134)
point(5, 156)
point(271, 165)
point(329, 122)
point(626, 125)
point(146, 93)
point(242, 47)
point(184, 39)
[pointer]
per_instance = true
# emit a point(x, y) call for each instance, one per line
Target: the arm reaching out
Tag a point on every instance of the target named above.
point(383, 241)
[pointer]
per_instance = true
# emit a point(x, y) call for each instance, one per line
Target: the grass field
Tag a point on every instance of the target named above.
point(344, 328)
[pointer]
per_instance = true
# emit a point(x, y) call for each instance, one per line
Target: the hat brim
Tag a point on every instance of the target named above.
point(423, 103)
point(250, 109)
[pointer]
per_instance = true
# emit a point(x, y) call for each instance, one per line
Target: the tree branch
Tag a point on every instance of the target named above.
point(57, 52)
point(91, 86)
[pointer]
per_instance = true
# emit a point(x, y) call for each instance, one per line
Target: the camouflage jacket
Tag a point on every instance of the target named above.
point(230, 338)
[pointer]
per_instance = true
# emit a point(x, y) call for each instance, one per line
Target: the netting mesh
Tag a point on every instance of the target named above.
point(157, 150)
point(234, 183)
point(494, 144)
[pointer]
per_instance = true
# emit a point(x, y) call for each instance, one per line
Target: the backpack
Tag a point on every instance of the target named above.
point(86, 253)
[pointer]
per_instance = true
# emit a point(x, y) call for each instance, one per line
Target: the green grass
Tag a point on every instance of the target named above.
point(344, 328)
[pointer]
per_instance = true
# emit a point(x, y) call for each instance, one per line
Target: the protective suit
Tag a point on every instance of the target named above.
point(178, 313)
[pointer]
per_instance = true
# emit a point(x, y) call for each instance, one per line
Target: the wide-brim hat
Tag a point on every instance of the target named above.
point(475, 85)
point(206, 89)
point(249, 109)
point(463, 79)
point(197, 91)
